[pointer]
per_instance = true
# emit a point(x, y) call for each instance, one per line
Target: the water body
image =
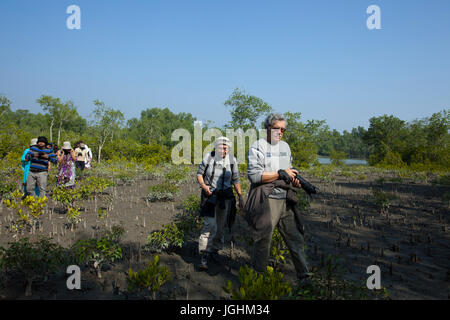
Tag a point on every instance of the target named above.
point(362, 162)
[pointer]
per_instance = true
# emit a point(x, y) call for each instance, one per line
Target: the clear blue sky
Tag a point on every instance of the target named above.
point(313, 57)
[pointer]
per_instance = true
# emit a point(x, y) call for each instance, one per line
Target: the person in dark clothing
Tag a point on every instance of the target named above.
point(40, 158)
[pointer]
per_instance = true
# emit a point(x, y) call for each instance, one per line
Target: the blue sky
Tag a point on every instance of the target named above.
point(313, 57)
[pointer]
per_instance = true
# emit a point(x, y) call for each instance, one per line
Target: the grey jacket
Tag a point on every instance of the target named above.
point(257, 213)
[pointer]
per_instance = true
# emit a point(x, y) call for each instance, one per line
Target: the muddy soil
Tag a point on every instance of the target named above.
point(411, 243)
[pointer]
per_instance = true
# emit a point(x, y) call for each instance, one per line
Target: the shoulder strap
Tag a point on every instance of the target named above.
point(212, 154)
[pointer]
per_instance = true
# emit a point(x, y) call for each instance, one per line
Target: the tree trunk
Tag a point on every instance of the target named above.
point(51, 130)
point(59, 133)
point(99, 152)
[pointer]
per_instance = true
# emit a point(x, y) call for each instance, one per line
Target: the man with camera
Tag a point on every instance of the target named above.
point(82, 154)
point(40, 158)
point(269, 204)
point(216, 175)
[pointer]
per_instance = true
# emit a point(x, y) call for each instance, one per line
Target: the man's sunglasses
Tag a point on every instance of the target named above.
point(278, 128)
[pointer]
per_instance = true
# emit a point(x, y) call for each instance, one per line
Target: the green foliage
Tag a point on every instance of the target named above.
point(443, 179)
point(382, 200)
point(395, 143)
point(7, 187)
point(245, 109)
point(94, 185)
point(361, 176)
point(165, 191)
point(66, 196)
point(178, 175)
point(327, 283)
point(349, 142)
point(322, 172)
point(155, 126)
point(34, 260)
point(278, 248)
point(337, 158)
point(191, 205)
point(254, 286)
point(13, 140)
point(116, 233)
point(27, 209)
point(83, 190)
point(151, 278)
point(166, 239)
point(97, 251)
point(189, 220)
point(303, 201)
point(302, 139)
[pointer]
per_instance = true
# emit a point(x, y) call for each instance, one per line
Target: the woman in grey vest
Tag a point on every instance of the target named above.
point(216, 175)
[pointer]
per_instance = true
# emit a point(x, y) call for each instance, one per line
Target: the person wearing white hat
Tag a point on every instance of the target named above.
point(66, 168)
point(216, 175)
point(88, 161)
point(26, 169)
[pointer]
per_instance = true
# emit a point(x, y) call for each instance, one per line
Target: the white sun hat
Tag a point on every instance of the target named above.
point(66, 145)
point(223, 140)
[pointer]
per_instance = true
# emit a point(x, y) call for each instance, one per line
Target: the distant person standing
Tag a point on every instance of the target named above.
point(81, 153)
point(66, 169)
point(40, 158)
point(89, 156)
point(26, 169)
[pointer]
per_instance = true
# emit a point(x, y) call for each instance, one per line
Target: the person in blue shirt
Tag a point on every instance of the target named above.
point(26, 169)
point(39, 157)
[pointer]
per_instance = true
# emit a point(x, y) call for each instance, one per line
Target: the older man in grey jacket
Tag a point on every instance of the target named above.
point(270, 159)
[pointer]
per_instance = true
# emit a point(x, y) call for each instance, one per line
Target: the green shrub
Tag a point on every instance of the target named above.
point(443, 179)
point(94, 185)
point(382, 200)
point(178, 175)
point(28, 209)
point(7, 187)
point(151, 278)
point(254, 286)
point(189, 220)
point(278, 248)
point(166, 239)
point(327, 283)
point(163, 192)
point(337, 158)
point(303, 201)
point(97, 251)
point(34, 261)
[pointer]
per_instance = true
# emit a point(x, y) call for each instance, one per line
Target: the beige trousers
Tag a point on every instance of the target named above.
point(212, 234)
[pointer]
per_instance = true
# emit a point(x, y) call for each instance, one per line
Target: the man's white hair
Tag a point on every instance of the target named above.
point(272, 118)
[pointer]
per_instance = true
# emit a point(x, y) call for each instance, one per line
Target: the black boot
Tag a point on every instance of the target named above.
point(204, 261)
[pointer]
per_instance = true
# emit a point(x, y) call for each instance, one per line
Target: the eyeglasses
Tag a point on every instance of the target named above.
point(278, 128)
